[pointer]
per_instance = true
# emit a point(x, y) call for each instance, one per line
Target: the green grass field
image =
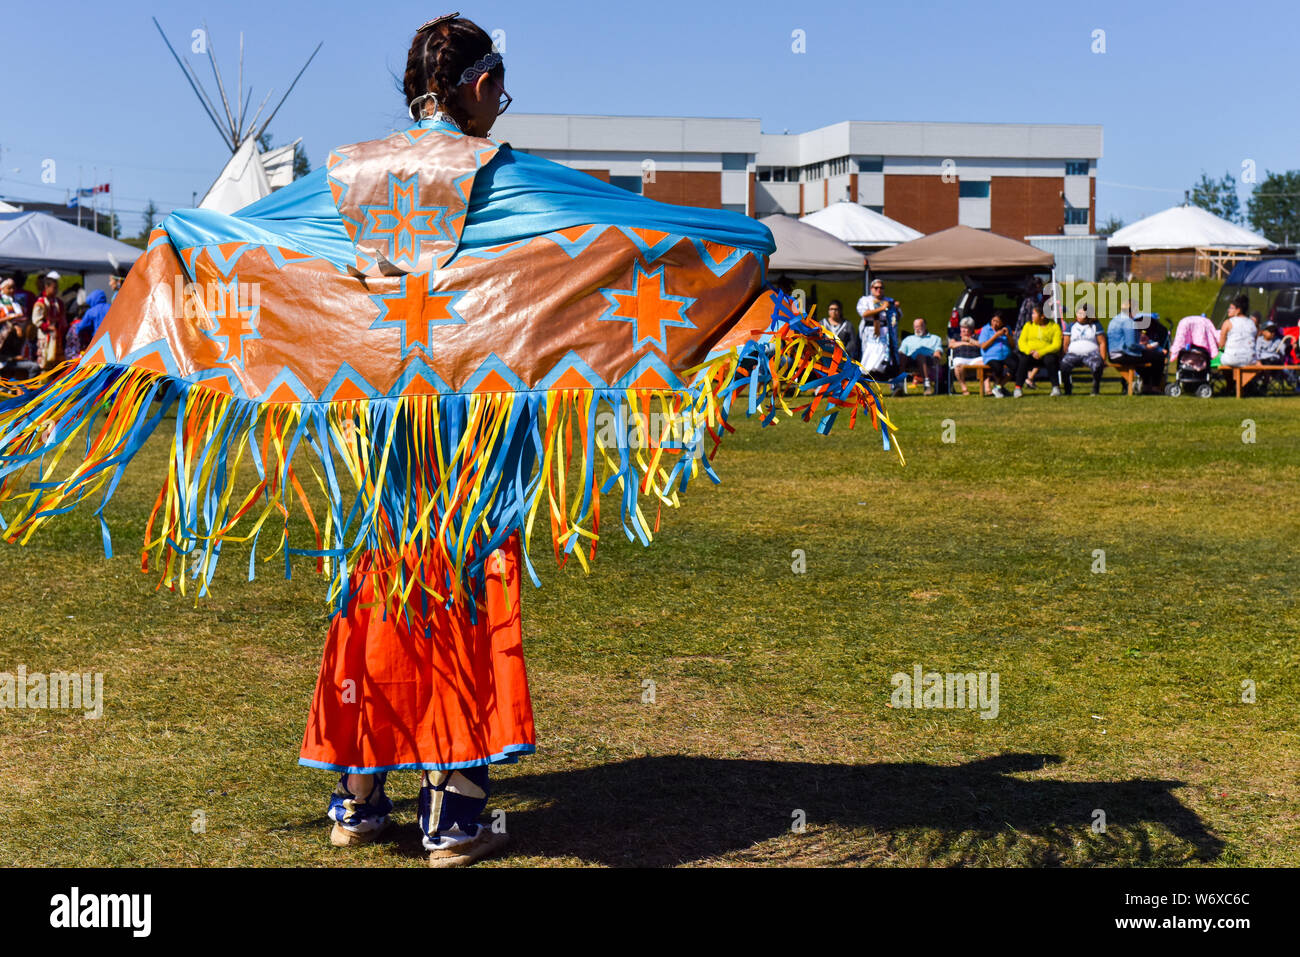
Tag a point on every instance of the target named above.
point(1120, 692)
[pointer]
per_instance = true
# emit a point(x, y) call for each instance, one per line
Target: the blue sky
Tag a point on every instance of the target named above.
point(1174, 89)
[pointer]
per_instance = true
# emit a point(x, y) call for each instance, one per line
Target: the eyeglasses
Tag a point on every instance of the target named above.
point(506, 100)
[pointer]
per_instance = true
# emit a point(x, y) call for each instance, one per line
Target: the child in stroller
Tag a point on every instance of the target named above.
point(1193, 373)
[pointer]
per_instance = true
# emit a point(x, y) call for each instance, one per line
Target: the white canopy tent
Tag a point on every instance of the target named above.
point(31, 241)
point(860, 227)
point(1186, 227)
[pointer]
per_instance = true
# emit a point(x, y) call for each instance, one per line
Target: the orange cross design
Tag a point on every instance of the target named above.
point(414, 311)
point(232, 322)
point(648, 307)
point(403, 223)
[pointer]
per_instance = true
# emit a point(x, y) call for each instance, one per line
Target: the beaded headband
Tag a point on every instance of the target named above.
point(484, 64)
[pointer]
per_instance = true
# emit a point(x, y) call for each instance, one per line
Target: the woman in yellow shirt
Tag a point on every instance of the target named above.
point(1040, 346)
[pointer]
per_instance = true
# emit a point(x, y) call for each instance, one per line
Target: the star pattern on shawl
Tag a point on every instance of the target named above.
point(234, 309)
point(648, 307)
point(414, 309)
point(402, 223)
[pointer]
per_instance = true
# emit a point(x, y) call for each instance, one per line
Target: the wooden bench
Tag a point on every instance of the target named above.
point(1244, 375)
point(954, 387)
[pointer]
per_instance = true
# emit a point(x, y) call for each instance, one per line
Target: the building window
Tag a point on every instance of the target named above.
point(630, 183)
point(814, 171)
point(871, 164)
point(840, 166)
point(778, 174)
point(735, 207)
point(877, 209)
point(735, 161)
point(1076, 168)
point(765, 174)
point(973, 189)
point(1075, 216)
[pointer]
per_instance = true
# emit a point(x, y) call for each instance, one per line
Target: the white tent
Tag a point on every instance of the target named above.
point(278, 164)
point(38, 241)
point(243, 181)
point(1186, 227)
point(860, 227)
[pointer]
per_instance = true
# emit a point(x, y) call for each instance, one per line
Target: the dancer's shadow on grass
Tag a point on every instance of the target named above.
point(662, 811)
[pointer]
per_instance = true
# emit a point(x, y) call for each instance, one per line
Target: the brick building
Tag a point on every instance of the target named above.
point(1014, 179)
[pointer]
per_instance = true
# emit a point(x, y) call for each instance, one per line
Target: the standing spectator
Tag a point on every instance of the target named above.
point(842, 329)
point(50, 322)
point(921, 354)
point(13, 333)
point(1127, 351)
point(1085, 344)
point(1040, 348)
point(874, 303)
point(879, 357)
point(995, 348)
point(1238, 335)
point(114, 284)
point(22, 297)
point(965, 351)
point(84, 329)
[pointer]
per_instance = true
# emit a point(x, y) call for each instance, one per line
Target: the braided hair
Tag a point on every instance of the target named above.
point(440, 52)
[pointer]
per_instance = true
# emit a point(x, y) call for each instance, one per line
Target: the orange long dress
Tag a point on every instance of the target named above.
point(430, 689)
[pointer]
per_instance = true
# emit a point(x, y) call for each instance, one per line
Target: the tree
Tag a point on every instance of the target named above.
point(150, 216)
point(1111, 226)
point(1274, 207)
point(301, 167)
point(108, 225)
point(1218, 197)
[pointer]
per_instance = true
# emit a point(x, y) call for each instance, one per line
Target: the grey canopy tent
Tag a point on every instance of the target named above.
point(806, 252)
point(30, 241)
point(959, 251)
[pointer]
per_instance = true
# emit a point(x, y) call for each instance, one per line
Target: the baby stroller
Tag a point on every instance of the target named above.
point(1193, 373)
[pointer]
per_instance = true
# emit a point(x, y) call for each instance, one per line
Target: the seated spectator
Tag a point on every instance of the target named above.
point(1238, 335)
point(1033, 295)
point(1271, 350)
point(995, 350)
point(84, 329)
point(1085, 344)
point(921, 354)
point(965, 351)
point(840, 328)
point(1040, 348)
point(9, 310)
point(1127, 352)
